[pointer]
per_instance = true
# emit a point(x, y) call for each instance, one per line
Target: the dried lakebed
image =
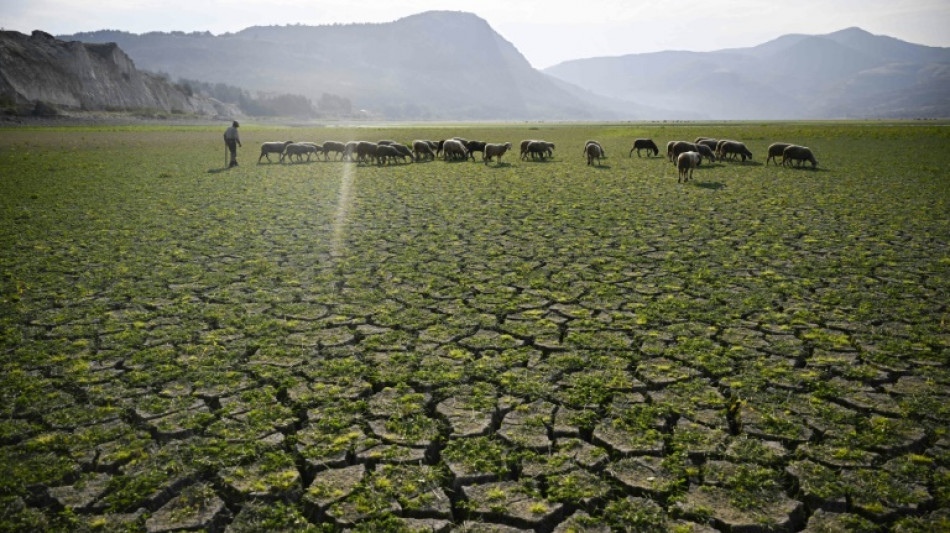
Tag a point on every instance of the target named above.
point(519, 347)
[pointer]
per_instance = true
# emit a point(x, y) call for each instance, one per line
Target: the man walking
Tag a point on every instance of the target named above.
point(232, 140)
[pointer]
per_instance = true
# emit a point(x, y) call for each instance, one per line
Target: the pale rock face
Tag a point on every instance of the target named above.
point(81, 76)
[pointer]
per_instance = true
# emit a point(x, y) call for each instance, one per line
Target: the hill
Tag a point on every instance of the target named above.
point(433, 65)
point(42, 74)
point(846, 74)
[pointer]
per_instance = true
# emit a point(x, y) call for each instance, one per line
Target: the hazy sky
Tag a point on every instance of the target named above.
point(545, 31)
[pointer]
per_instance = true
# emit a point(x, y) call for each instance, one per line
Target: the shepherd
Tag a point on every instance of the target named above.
point(232, 140)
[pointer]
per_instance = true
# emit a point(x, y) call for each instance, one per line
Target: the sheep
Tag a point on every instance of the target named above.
point(349, 150)
point(775, 150)
point(685, 163)
point(679, 147)
point(539, 149)
point(711, 143)
point(644, 144)
point(332, 146)
point(593, 151)
point(272, 148)
point(719, 145)
point(604, 152)
point(365, 151)
point(705, 151)
point(402, 151)
point(298, 149)
point(524, 147)
point(800, 154)
point(733, 149)
point(386, 143)
point(495, 150)
point(669, 150)
point(475, 146)
point(423, 149)
point(384, 153)
point(455, 149)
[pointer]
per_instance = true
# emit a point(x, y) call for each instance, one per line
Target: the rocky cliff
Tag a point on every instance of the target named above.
point(39, 70)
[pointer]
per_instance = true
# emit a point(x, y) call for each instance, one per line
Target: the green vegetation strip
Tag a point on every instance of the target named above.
point(531, 344)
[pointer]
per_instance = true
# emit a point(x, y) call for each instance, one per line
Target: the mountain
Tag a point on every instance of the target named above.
point(41, 73)
point(845, 74)
point(433, 65)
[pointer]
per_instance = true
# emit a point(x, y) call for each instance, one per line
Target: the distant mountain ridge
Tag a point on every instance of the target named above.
point(845, 74)
point(453, 65)
point(40, 72)
point(433, 65)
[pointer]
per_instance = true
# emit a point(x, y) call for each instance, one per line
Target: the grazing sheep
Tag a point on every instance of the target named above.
point(365, 151)
point(705, 151)
point(349, 150)
point(454, 149)
point(711, 143)
point(385, 153)
point(386, 143)
point(495, 150)
point(272, 148)
point(733, 149)
point(402, 151)
point(669, 150)
point(644, 144)
point(423, 149)
point(539, 149)
point(800, 154)
point(332, 146)
point(593, 151)
point(719, 145)
point(524, 147)
point(685, 163)
point(776, 150)
point(679, 147)
point(598, 144)
point(299, 149)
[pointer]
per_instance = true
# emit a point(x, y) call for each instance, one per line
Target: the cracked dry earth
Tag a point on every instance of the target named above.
point(485, 352)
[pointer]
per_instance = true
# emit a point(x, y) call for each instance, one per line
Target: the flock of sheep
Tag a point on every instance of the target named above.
point(686, 155)
point(386, 151)
point(689, 155)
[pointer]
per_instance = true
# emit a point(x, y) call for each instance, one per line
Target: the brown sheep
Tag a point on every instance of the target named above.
point(775, 150)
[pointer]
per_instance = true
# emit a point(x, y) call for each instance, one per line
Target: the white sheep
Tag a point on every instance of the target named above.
point(495, 150)
point(272, 148)
point(800, 154)
point(422, 149)
point(332, 146)
point(455, 149)
point(349, 150)
point(685, 164)
point(678, 147)
point(299, 149)
point(593, 150)
point(776, 150)
point(705, 151)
